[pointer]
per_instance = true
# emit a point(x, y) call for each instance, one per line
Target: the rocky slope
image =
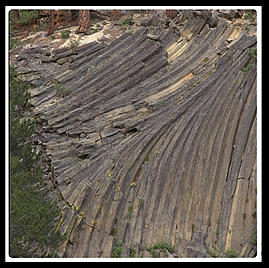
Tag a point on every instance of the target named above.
point(150, 137)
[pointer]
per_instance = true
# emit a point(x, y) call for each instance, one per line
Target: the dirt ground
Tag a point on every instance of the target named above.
point(109, 28)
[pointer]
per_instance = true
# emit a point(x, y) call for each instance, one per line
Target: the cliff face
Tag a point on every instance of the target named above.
point(150, 139)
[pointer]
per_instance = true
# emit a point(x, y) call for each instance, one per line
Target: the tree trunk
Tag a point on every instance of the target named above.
point(171, 13)
point(83, 21)
point(15, 16)
point(68, 18)
point(52, 26)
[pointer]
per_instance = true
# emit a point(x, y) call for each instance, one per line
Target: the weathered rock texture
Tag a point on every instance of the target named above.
point(156, 140)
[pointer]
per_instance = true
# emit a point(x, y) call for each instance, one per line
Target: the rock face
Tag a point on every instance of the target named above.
point(153, 140)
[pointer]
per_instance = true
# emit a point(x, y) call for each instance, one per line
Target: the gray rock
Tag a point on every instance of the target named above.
point(109, 132)
point(226, 13)
point(215, 13)
point(212, 22)
point(153, 37)
point(146, 22)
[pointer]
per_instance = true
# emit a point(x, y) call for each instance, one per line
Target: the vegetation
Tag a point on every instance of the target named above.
point(248, 16)
point(65, 34)
point(130, 211)
point(60, 89)
point(117, 250)
point(13, 42)
point(91, 68)
point(246, 68)
point(205, 60)
point(95, 28)
point(126, 23)
point(157, 248)
point(42, 27)
point(252, 52)
point(230, 253)
point(213, 252)
point(132, 252)
point(164, 246)
point(218, 223)
point(27, 16)
point(73, 43)
point(32, 214)
point(154, 250)
point(253, 238)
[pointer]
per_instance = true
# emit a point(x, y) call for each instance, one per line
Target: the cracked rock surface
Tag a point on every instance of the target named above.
point(151, 136)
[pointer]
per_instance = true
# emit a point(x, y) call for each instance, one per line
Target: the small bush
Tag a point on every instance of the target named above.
point(13, 42)
point(130, 211)
point(117, 250)
point(42, 27)
point(60, 89)
point(213, 252)
point(27, 16)
point(91, 68)
point(164, 246)
point(73, 43)
point(125, 23)
point(132, 252)
point(253, 238)
point(246, 68)
point(248, 16)
point(65, 34)
point(252, 52)
point(157, 248)
point(230, 253)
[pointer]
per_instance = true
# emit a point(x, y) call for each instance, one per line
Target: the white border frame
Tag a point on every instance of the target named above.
point(258, 258)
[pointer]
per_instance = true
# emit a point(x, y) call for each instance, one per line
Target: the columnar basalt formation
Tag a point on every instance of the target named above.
point(151, 137)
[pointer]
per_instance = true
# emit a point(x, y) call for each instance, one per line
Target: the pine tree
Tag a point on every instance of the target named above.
point(84, 21)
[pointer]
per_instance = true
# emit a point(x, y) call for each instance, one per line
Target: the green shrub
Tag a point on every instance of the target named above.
point(213, 252)
point(60, 89)
point(252, 52)
point(127, 21)
point(164, 246)
point(253, 238)
point(65, 34)
point(32, 213)
point(13, 42)
point(117, 250)
point(42, 27)
point(230, 253)
point(132, 252)
point(130, 211)
point(91, 68)
point(27, 16)
point(157, 248)
point(248, 16)
point(73, 43)
point(246, 68)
